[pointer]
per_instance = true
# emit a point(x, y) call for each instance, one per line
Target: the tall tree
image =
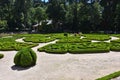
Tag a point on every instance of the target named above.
point(108, 13)
point(56, 12)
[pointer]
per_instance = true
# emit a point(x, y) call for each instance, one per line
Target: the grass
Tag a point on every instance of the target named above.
point(1, 56)
point(110, 76)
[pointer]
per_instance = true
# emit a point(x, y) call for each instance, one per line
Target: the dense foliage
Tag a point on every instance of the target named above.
point(60, 15)
point(8, 44)
point(83, 47)
point(26, 57)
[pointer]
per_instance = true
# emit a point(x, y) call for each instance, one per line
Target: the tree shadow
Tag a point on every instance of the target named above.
point(14, 67)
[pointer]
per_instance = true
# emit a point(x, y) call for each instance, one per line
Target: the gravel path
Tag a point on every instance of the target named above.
point(61, 67)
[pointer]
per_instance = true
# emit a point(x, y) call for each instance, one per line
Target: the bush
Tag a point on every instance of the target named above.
point(1, 56)
point(26, 57)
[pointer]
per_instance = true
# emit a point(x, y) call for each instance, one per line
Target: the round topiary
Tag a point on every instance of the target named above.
point(26, 57)
point(1, 56)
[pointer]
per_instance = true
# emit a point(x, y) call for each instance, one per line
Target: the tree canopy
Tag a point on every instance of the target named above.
point(60, 15)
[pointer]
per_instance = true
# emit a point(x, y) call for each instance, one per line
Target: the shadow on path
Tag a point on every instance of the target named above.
point(14, 67)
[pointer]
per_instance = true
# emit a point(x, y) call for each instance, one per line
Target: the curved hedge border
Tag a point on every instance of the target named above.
point(97, 37)
point(54, 48)
point(85, 47)
point(1, 56)
point(9, 46)
point(72, 40)
point(115, 45)
point(39, 39)
point(110, 76)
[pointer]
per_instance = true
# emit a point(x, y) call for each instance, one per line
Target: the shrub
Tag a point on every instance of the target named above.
point(1, 56)
point(87, 47)
point(26, 57)
point(97, 37)
point(72, 40)
point(54, 48)
point(115, 46)
point(39, 39)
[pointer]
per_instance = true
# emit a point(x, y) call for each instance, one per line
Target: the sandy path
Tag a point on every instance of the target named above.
point(61, 67)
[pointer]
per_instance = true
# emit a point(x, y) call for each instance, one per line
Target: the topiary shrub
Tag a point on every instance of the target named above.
point(1, 56)
point(26, 57)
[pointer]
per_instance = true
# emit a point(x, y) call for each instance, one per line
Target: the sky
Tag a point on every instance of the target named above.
point(45, 0)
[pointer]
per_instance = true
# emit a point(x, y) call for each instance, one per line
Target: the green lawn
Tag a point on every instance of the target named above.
point(110, 76)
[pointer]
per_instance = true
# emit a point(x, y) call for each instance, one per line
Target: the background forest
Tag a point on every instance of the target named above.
point(60, 15)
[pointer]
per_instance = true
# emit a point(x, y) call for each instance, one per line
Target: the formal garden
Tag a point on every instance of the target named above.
point(72, 43)
point(45, 39)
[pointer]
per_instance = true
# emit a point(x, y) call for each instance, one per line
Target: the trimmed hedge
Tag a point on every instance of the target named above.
point(8, 46)
point(54, 48)
point(26, 57)
point(99, 47)
point(72, 40)
point(85, 47)
point(97, 37)
point(1, 56)
point(115, 46)
point(38, 39)
point(110, 76)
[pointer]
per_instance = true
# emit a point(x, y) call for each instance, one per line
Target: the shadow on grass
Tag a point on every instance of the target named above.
point(14, 67)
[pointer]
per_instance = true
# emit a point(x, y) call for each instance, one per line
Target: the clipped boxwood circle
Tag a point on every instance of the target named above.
point(26, 57)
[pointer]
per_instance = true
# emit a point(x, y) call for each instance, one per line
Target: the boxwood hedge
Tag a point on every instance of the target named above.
point(54, 48)
point(115, 45)
point(85, 47)
point(98, 37)
point(72, 40)
point(39, 39)
point(26, 57)
point(8, 46)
